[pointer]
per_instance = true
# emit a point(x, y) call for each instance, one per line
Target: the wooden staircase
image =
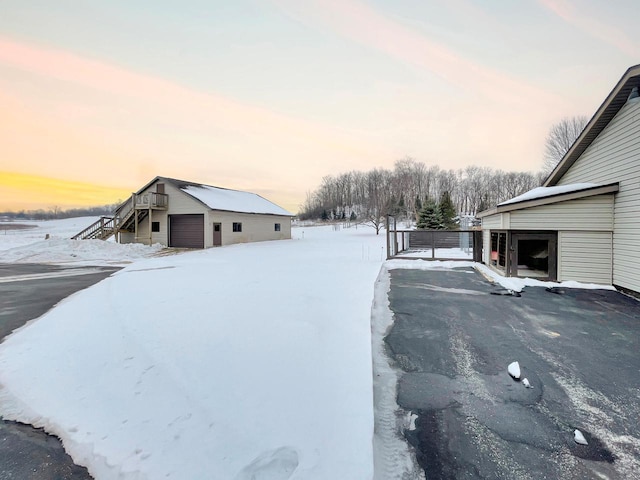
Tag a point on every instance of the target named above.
point(124, 218)
point(105, 227)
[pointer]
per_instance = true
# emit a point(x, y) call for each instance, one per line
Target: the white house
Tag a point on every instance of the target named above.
point(178, 213)
point(583, 224)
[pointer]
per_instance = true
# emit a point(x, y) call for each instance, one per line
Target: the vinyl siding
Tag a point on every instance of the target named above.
point(585, 257)
point(499, 221)
point(255, 227)
point(614, 156)
point(586, 214)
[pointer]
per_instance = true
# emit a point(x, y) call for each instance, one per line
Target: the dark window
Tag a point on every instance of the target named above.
point(155, 226)
point(237, 226)
point(216, 227)
point(277, 227)
point(499, 249)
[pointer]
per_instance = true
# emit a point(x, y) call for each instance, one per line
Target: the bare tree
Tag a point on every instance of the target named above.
point(560, 139)
point(369, 196)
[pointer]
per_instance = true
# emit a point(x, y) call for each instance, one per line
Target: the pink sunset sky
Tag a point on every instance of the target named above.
point(97, 98)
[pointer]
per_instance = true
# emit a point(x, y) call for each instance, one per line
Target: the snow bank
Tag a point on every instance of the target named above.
point(65, 228)
point(249, 361)
point(82, 252)
point(509, 283)
point(30, 246)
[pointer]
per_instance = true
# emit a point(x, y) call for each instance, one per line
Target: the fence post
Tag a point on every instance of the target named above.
point(388, 244)
point(395, 236)
point(433, 245)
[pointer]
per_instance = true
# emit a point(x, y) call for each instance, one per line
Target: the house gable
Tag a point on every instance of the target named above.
point(616, 101)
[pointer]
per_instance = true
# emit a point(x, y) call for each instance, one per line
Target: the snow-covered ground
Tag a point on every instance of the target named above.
point(241, 362)
point(50, 242)
point(245, 362)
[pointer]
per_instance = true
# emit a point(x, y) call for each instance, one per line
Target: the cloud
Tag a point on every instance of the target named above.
point(591, 26)
point(362, 23)
point(72, 117)
point(216, 110)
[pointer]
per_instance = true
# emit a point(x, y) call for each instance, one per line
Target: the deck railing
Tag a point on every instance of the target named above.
point(152, 200)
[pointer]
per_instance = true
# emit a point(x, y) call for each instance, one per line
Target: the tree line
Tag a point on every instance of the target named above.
point(402, 191)
point(57, 212)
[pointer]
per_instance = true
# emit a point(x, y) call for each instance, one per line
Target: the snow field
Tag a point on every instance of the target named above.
point(30, 245)
point(249, 361)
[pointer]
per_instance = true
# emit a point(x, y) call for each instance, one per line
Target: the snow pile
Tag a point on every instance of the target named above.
point(81, 252)
point(514, 370)
point(249, 361)
point(578, 437)
point(29, 246)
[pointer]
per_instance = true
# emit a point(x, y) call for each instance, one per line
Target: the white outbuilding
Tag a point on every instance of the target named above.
point(183, 214)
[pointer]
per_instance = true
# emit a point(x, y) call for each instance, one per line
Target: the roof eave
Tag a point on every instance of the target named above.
point(560, 197)
point(252, 213)
point(605, 113)
point(486, 213)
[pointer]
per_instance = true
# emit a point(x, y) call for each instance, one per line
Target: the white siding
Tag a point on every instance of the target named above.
point(499, 221)
point(614, 156)
point(255, 227)
point(585, 257)
point(586, 214)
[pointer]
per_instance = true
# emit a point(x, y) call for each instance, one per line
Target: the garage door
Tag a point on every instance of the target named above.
point(186, 231)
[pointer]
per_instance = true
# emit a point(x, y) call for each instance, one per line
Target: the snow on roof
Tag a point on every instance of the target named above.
point(233, 200)
point(541, 192)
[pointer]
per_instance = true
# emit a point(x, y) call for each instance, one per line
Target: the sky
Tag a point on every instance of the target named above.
point(269, 96)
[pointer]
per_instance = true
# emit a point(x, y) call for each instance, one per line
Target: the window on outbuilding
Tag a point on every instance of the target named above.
point(277, 227)
point(155, 226)
point(237, 226)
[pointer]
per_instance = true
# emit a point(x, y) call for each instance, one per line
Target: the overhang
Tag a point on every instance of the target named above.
point(547, 200)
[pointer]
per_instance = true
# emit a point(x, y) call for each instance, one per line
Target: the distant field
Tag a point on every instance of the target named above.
point(15, 226)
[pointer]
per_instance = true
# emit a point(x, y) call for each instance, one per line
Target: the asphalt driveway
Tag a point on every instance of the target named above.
point(452, 341)
point(26, 292)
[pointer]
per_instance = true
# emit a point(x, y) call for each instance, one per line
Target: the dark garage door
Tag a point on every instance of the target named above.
point(186, 231)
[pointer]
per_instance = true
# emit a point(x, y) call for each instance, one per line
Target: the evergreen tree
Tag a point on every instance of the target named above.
point(353, 216)
point(325, 215)
point(447, 212)
point(429, 217)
